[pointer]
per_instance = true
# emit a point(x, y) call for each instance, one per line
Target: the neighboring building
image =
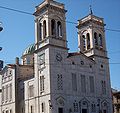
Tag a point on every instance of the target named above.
point(116, 101)
point(59, 81)
point(13, 77)
point(7, 97)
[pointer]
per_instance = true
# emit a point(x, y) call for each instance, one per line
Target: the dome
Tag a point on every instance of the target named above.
point(29, 50)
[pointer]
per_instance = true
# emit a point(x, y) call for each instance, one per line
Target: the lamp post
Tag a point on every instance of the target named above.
point(1, 28)
point(1, 62)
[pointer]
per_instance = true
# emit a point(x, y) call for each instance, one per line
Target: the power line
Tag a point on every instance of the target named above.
point(114, 30)
point(114, 52)
point(70, 22)
point(16, 10)
point(63, 63)
point(115, 63)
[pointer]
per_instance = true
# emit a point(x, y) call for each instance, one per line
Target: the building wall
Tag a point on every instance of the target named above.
point(61, 82)
point(8, 90)
point(116, 102)
point(70, 95)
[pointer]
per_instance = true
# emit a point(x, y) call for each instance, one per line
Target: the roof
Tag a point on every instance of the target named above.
point(45, 4)
point(79, 53)
point(90, 19)
point(117, 94)
point(29, 50)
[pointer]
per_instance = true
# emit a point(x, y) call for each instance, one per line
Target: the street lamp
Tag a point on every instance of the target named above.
point(1, 62)
point(1, 28)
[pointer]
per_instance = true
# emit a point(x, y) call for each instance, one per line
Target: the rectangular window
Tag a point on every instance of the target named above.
point(31, 109)
point(22, 110)
point(93, 108)
point(10, 110)
point(3, 94)
point(60, 110)
point(41, 60)
point(91, 79)
point(43, 107)
point(83, 84)
point(10, 91)
point(42, 83)
point(59, 82)
point(6, 92)
point(40, 29)
point(75, 105)
point(9, 74)
point(103, 86)
point(74, 82)
point(31, 91)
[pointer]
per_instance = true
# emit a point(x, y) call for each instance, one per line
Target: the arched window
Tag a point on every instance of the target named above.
point(59, 28)
point(53, 27)
point(100, 40)
point(40, 29)
point(88, 41)
point(43, 107)
point(44, 29)
point(31, 109)
point(95, 39)
point(104, 107)
point(84, 42)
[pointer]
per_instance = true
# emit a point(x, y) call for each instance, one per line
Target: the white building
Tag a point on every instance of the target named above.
point(64, 82)
point(7, 97)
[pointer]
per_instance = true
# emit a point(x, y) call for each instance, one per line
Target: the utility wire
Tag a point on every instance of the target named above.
point(16, 10)
point(57, 63)
point(70, 22)
point(114, 52)
point(115, 30)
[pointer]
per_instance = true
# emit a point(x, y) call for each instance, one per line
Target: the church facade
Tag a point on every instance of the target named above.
point(52, 80)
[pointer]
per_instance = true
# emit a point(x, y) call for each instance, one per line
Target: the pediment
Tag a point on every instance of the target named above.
point(60, 101)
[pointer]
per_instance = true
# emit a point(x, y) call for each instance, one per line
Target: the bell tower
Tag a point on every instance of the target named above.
point(91, 36)
point(50, 24)
point(50, 49)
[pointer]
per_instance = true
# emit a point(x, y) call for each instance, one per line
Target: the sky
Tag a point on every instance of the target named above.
point(18, 28)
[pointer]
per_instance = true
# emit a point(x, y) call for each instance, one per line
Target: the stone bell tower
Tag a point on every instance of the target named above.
point(91, 35)
point(91, 39)
point(50, 24)
point(50, 49)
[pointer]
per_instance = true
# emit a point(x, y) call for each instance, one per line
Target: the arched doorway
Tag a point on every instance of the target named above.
point(104, 107)
point(84, 106)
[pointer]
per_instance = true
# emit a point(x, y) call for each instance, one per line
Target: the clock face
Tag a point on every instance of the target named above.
point(58, 57)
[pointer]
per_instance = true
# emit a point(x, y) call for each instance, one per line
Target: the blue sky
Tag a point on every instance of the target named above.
point(18, 30)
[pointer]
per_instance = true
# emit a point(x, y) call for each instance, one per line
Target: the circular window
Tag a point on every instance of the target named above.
point(90, 66)
point(101, 66)
point(73, 63)
point(82, 63)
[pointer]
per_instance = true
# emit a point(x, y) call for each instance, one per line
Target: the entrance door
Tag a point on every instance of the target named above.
point(104, 111)
point(60, 110)
point(84, 110)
